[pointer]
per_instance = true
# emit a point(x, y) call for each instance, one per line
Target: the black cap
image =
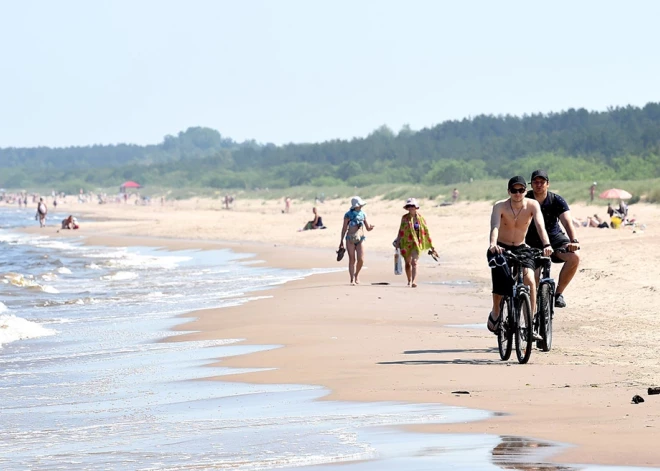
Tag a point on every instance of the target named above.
point(539, 173)
point(517, 180)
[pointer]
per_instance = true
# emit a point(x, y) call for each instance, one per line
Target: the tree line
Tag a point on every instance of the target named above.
point(576, 144)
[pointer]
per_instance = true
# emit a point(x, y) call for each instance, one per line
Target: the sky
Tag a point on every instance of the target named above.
point(76, 73)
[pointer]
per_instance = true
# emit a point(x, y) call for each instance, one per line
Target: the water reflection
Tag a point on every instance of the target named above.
point(526, 454)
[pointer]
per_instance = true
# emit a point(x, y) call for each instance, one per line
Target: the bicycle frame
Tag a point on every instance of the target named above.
point(517, 305)
point(547, 279)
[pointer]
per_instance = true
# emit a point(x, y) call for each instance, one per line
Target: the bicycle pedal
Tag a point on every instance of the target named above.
point(537, 336)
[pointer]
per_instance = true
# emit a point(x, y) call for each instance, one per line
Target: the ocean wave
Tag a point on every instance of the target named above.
point(120, 276)
point(63, 271)
point(49, 276)
point(14, 328)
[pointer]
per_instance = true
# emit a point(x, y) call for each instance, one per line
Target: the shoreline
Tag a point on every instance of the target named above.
point(388, 350)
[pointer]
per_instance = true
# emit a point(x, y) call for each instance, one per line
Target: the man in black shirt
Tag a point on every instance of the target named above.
point(555, 210)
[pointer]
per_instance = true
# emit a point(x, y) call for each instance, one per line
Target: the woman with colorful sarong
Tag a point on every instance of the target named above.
point(413, 239)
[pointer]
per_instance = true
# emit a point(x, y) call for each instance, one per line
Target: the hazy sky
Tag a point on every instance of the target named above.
point(105, 72)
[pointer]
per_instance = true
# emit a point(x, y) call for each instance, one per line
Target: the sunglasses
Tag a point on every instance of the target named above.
point(519, 190)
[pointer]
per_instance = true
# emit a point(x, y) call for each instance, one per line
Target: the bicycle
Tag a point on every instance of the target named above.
point(544, 301)
point(516, 316)
point(545, 307)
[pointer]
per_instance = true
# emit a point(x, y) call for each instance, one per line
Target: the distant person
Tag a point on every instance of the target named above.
point(454, 196)
point(623, 210)
point(555, 210)
point(592, 190)
point(596, 221)
point(287, 204)
point(355, 221)
point(42, 211)
point(610, 210)
point(316, 223)
point(70, 223)
point(228, 201)
point(413, 239)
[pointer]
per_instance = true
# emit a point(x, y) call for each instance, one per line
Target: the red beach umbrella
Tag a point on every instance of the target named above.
point(615, 194)
point(129, 184)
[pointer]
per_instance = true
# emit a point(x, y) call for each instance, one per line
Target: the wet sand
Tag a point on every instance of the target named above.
point(389, 342)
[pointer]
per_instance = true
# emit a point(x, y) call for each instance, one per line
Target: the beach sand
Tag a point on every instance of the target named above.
point(390, 342)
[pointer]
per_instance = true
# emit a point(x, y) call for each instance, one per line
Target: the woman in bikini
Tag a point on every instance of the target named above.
point(413, 239)
point(355, 221)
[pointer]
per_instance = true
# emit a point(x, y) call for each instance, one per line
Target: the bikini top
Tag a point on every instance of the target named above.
point(355, 218)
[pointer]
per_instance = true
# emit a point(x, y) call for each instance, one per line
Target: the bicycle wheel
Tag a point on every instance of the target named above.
point(545, 318)
point(505, 333)
point(524, 328)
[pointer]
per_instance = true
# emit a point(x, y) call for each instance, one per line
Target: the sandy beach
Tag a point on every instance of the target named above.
point(378, 342)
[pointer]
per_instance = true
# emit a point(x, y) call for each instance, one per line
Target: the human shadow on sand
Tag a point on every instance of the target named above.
point(457, 350)
point(455, 361)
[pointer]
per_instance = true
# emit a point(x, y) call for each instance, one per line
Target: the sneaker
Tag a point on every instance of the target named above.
point(559, 301)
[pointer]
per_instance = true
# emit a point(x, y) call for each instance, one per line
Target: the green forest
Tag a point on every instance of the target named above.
point(622, 143)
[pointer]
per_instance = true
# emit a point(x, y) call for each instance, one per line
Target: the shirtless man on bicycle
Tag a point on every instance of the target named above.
point(509, 222)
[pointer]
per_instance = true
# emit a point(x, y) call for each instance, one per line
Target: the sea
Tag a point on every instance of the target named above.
point(87, 383)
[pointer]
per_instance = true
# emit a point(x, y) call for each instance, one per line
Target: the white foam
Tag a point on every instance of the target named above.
point(3, 307)
point(121, 258)
point(14, 328)
point(120, 276)
point(63, 271)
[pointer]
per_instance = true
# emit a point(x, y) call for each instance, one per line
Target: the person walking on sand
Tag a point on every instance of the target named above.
point(592, 190)
point(454, 196)
point(355, 221)
point(413, 239)
point(42, 210)
point(509, 222)
point(555, 209)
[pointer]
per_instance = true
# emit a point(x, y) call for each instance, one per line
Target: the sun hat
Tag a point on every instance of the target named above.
point(411, 202)
point(517, 180)
point(357, 201)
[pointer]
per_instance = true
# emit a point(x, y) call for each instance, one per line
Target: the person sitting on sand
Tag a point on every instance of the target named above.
point(70, 223)
point(316, 223)
point(413, 239)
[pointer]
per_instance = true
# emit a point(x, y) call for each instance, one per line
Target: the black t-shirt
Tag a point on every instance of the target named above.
point(552, 207)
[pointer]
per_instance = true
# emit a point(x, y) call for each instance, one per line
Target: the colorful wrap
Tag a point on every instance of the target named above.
point(408, 239)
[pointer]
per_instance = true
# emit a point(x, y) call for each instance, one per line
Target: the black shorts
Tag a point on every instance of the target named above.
point(502, 283)
point(556, 241)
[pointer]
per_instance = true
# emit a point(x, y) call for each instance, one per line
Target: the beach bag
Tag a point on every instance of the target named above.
point(398, 262)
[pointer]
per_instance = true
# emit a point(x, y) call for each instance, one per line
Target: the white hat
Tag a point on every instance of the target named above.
point(357, 201)
point(411, 202)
